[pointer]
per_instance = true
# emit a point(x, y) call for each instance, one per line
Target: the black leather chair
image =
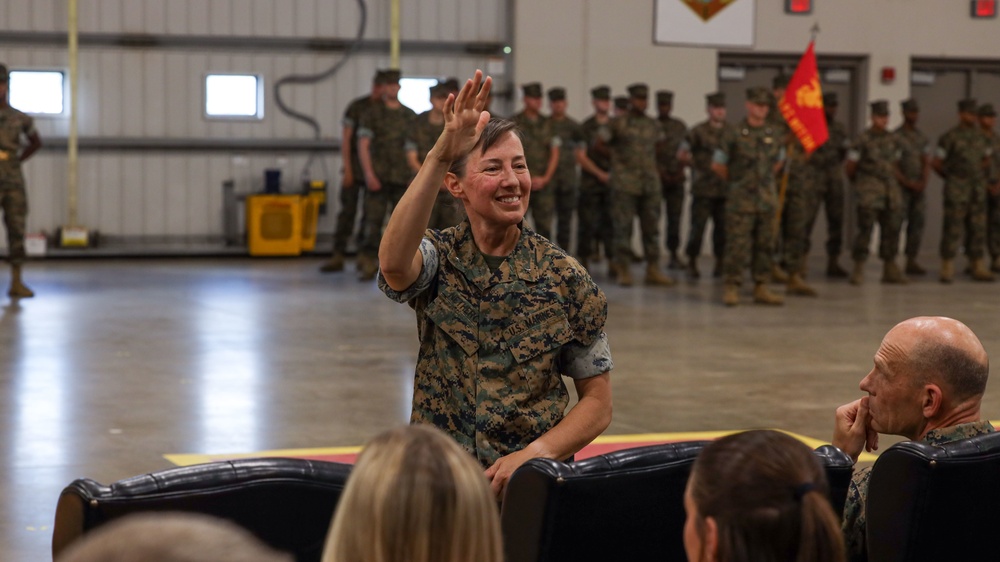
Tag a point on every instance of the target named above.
point(935, 502)
point(625, 505)
point(287, 503)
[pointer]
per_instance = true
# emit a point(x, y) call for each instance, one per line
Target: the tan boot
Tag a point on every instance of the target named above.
point(798, 286)
point(947, 271)
point(731, 294)
point(833, 268)
point(996, 264)
point(336, 263)
point(692, 267)
point(914, 268)
point(656, 277)
point(858, 274)
point(979, 271)
point(778, 275)
point(763, 295)
point(892, 275)
point(18, 290)
point(624, 274)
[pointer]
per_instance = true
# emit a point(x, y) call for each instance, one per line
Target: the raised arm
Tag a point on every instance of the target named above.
point(465, 118)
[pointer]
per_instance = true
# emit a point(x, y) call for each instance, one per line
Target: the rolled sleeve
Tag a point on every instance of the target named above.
point(365, 132)
point(423, 282)
point(720, 157)
point(583, 361)
point(853, 155)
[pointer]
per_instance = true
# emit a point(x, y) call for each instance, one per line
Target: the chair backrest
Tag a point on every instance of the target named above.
point(287, 503)
point(625, 505)
point(934, 502)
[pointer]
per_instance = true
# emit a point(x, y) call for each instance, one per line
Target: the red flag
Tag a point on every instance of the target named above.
point(802, 104)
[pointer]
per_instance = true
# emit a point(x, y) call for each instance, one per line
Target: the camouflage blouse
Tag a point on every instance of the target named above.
point(493, 344)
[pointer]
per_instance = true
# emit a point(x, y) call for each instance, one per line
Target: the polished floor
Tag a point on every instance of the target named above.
point(118, 362)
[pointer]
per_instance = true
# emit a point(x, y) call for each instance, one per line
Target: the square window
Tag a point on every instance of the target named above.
point(38, 92)
point(415, 93)
point(234, 96)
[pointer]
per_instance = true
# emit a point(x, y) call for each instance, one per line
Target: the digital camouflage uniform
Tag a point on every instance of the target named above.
point(827, 163)
point(993, 200)
point(708, 190)
point(493, 344)
point(750, 154)
point(672, 176)
point(388, 129)
point(594, 222)
point(915, 148)
point(855, 523)
point(963, 151)
point(800, 207)
point(351, 195)
point(539, 140)
point(565, 182)
point(13, 198)
point(635, 183)
point(423, 134)
point(879, 196)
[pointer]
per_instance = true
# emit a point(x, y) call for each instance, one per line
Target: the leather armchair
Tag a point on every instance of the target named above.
point(287, 503)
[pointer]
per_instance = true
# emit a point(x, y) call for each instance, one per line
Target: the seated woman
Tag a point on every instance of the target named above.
point(415, 496)
point(502, 313)
point(760, 496)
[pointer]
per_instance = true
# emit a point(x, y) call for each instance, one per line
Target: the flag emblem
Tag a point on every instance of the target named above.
point(707, 9)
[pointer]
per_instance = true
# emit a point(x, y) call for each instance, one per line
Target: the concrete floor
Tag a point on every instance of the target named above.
point(117, 363)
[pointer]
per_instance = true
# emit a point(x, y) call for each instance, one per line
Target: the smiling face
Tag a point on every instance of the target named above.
point(894, 395)
point(496, 184)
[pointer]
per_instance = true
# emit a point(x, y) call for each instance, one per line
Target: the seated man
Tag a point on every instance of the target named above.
point(927, 384)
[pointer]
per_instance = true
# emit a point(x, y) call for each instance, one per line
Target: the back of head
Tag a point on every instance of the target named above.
point(946, 352)
point(171, 537)
point(415, 496)
point(767, 493)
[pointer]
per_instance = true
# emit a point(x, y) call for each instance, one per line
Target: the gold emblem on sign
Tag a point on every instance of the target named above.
point(707, 9)
point(809, 95)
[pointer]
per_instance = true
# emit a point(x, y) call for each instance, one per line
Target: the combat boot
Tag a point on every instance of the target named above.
point(731, 294)
point(336, 263)
point(979, 271)
point(763, 295)
point(891, 274)
point(996, 264)
point(798, 286)
point(833, 268)
point(778, 275)
point(676, 262)
point(692, 268)
point(858, 275)
point(914, 268)
point(947, 271)
point(624, 271)
point(18, 289)
point(656, 277)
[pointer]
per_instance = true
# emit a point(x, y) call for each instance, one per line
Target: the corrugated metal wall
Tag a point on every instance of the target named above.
point(156, 92)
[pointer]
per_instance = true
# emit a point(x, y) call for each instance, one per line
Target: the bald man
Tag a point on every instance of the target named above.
point(927, 385)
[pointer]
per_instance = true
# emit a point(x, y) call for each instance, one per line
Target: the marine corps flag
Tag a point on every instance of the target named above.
point(802, 105)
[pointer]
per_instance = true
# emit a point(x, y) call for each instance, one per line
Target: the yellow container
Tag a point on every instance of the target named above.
point(274, 225)
point(310, 216)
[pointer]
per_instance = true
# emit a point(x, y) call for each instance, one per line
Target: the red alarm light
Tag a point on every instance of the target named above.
point(798, 7)
point(984, 9)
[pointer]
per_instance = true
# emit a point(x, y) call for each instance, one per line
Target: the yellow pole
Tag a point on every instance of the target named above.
point(394, 35)
point(71, 172)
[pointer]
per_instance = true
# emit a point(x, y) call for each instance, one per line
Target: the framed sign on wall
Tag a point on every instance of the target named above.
point(709, 23)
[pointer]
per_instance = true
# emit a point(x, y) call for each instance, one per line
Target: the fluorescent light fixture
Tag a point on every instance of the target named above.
point(39, 92)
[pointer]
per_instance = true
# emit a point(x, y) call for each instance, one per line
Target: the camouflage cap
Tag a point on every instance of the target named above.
point(557, 94)
point(880, 108)
point(379, 77)
point(638, 90)
point(909, 105)
point(780, 81)
point(968, 105)
point(716, 99)
point(391, 76)
point(830, 99)
point(664, 97)
point(986, 110)
point(759, 95)
point(452, 84)
point(601, 93)
point(532, 90)
point(440, 90)
point(3, 73)
point(621, 102)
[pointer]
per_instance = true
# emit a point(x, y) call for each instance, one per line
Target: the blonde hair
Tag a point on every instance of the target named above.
point(415, 496)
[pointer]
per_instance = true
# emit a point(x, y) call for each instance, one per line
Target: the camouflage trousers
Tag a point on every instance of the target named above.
point(702, 209)
point(14, 203)
point(447, 211)
point(378, 204)
point(350, 195)
point(915, 214)
point(542, 207)
point(673, 196)
point(567, 197)
point(964, 220)
point(594, 218)
point(890, 220)
point(797, 219)
point(830, 191)
point(624, 207)
point(993, 225)
point(749, 243)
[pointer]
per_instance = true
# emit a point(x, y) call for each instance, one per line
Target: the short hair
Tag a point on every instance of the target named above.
point(938, 361)
point(171, 537)
point(495, 130)
point(416, 496)
point(767, 493)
